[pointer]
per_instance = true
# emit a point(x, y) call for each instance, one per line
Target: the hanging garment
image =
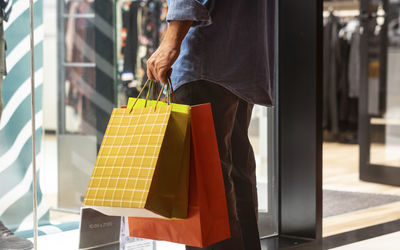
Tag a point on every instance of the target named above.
point(347, 104)
point(355, 64)
point(330, 70)
point(340, 114)
point(144, 24)
point(130, 20)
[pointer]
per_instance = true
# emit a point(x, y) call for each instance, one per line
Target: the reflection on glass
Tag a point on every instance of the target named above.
point(79, 40)
point(140, 27)
point(262, 134)
point(259, 140)
point(80, 94)
point(385, 146)
point(74, 7)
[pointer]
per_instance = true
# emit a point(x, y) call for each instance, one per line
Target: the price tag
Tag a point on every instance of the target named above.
point(98, 230)
point(140, 244)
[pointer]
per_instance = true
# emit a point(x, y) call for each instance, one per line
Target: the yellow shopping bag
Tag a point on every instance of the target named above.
point(142, 168)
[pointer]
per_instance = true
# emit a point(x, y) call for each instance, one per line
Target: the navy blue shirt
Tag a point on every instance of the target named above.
point(228, 45)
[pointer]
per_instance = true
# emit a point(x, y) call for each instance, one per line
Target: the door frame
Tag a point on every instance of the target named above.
point(372, 172)
point(300, 118)
point(299, 125)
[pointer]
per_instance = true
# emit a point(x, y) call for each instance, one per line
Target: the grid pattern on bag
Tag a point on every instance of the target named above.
point(127, 158)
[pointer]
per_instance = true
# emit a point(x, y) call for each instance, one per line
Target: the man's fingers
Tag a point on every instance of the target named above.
point(150, 74)
point(162, 75)
point(150, 69)
point(159, 66)
point(164, 80)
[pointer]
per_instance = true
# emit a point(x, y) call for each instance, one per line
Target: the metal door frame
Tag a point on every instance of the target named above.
point(299, 125)
point(372, 172)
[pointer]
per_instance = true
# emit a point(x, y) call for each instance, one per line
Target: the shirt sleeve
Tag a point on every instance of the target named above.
point(194, 10)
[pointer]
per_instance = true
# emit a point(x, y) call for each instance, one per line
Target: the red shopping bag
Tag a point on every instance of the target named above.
point(207, 221)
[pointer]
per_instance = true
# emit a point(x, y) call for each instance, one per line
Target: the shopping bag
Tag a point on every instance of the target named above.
point(207, 221)
point(142, 168)
point(175, 151)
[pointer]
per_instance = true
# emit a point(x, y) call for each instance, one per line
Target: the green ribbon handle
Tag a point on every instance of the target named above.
point(153, 88)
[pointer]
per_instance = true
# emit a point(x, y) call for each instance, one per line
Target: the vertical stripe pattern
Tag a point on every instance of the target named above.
point(16, 193)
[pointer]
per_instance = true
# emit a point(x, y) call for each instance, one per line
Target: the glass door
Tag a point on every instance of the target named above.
point(261, 132)
point(380, 92)
point(85, 92)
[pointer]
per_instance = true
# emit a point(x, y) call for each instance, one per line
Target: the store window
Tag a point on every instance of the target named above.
point(383, 101)
point(361, 111)
point(15, 126)
point(90, 57)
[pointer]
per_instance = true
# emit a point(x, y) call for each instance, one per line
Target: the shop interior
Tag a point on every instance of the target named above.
point(360, 114)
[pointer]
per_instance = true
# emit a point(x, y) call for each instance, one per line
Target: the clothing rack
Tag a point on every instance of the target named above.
point(352, 14)
point(341, 13)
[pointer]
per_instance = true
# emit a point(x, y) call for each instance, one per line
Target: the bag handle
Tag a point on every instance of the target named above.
point(140, 93)
point(153, 88)
point(172, 93)
point(159, 96)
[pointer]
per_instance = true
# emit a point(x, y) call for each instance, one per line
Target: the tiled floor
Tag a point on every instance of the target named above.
point(69, 241)
point(340, 173)
point(385, 242)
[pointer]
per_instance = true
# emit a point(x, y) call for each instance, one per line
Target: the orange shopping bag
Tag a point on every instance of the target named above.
point(207, 221)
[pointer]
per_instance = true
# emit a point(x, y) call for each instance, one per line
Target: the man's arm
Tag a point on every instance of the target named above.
point(182, 14)
point(164, 57)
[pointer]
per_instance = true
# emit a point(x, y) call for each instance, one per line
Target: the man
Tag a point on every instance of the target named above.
point(8, 240)
point(220, 54)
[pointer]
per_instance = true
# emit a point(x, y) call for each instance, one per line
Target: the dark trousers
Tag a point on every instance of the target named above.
point(231, 117)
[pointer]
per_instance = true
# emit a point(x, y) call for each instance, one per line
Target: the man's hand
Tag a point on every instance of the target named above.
point(161, 61)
